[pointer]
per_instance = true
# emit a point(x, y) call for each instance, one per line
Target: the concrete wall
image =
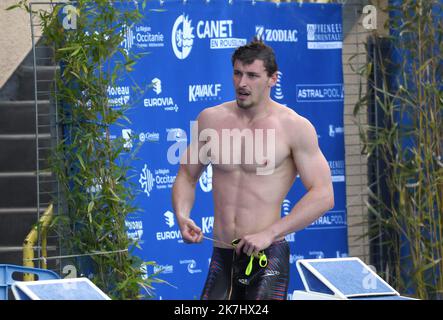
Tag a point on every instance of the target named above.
point(16, 36)
point(15, 39)
point(356, 163)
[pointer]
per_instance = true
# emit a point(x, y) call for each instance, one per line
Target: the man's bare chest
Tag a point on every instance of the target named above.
point(250, 149)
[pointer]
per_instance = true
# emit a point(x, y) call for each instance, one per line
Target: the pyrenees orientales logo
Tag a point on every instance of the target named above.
point(182, 37)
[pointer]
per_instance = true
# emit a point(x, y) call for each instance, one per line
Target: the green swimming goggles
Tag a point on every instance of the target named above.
point(262, 259)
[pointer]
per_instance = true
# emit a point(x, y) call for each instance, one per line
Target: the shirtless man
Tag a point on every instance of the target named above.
point(247, 201)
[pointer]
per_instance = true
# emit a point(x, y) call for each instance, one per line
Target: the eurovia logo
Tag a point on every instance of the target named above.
point(182, 37)
point(156, 85)
point(166, 102)
point(169, 218)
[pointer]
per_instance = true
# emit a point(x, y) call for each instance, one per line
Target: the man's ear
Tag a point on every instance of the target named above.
point(273, 80)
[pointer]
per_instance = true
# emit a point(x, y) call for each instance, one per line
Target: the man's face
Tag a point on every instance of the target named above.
point(251, 83)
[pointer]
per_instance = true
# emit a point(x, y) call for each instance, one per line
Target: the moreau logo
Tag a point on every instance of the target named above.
point(134, 229)
point(182, 37)
point(118, 95)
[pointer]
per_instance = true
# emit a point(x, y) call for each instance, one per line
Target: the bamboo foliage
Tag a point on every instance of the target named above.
point(95, 179)
point(404, 145)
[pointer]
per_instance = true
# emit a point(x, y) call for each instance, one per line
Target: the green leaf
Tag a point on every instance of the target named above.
point(90, 206)
point(13, 7)
point(80, 159)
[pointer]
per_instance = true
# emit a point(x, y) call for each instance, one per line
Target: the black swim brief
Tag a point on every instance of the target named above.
point(227, 279)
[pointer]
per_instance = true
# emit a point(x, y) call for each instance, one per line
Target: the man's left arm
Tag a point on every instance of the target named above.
point(316, 177)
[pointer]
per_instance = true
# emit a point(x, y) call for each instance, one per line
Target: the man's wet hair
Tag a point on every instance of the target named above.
point(256, 50)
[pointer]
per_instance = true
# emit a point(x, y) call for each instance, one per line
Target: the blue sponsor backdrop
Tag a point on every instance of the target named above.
point(187, 67)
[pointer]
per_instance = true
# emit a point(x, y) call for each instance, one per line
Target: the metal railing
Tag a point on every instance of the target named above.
point(46, 134)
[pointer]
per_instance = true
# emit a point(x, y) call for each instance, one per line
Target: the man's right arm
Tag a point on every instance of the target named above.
point(183, 191)
point(183, 195)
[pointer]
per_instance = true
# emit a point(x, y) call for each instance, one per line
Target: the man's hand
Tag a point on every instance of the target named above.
point(191, 233)
point(254, 243)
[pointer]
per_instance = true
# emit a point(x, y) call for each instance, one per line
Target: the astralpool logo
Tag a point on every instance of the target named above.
point(319, 92)
point(182, 37)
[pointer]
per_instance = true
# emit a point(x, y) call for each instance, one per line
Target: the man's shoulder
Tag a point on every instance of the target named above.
point(288, 117)
point(296, 126)
point(216, 111)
